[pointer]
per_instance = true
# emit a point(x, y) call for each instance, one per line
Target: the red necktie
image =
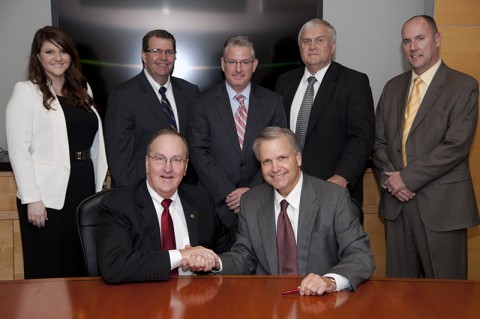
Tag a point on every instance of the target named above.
point(241, 119)
point(286, 244)
point(168, 231)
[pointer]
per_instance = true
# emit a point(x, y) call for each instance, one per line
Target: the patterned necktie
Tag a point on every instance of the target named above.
point(168, 231)
point(286, 244)
point(167, 108)
point(304, 112)
point(241, 119)
point(410, 112)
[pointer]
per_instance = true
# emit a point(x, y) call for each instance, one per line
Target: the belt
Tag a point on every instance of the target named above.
point(79, 156)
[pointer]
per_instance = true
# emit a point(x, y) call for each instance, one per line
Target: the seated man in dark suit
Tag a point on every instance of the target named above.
point(295, 224)
point(146, 230)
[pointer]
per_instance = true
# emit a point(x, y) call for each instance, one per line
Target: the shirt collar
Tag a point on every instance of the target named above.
point(428, 75)
point(231, 92)
point(293, 198)
point(154, 84)
point(319, 75)
point(157, 199)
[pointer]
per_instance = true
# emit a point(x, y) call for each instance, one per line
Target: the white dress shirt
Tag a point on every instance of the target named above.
point(302, 88)
point(179, 223)
point(293, 211)
point(168, 93)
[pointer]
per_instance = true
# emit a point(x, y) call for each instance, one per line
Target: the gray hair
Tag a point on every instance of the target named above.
point(239, 41)
point(167, 131)
point(273, 132)
point(311, 23)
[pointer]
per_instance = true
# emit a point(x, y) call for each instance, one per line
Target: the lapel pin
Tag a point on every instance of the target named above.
point(192, 215)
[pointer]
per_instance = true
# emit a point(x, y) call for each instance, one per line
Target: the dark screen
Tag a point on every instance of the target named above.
point(108, 35)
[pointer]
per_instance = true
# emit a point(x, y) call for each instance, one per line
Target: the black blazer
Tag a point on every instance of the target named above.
point(214, 149)
point(341, 127)
point(129, 241)
point(134, 114)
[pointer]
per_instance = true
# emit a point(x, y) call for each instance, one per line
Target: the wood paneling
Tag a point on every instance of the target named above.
point(459, 24)
point(6, 250)
point(457, 12)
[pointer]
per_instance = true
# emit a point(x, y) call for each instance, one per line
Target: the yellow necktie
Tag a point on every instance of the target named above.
point(411, 111)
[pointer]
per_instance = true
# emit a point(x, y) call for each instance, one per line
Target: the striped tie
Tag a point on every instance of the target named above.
point(286, 244)
point(304, 113)
point(167, 108)
point(411, 110)
point(241, 119)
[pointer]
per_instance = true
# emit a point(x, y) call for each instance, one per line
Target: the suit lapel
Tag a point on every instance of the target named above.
point(253, 119)
point(191, 217)
point(322, 98)
point(151, 100)
point(309, 208)
point(149, 214)
point(433, 91)
point(402, 97)
point(224, 110)
point(181, 104)
point(290, 90)
point(268, 235)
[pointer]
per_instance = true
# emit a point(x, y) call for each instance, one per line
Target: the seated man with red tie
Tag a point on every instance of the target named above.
point(295, 224)
point(147, 229)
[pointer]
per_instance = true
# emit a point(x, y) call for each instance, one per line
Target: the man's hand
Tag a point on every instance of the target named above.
point(37, 214)
point(233, 199)
point(339, 180)
point(199, 259)
point(395, 185)
point(314, 285)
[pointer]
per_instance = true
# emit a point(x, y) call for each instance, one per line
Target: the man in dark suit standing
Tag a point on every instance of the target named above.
point(295, 224)
point(425, 123)
point(223, 126)
point(330, 109)
point(146, 230)
point(151, 101)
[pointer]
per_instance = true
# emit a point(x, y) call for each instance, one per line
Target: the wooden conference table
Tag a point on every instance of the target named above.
point(235, 297)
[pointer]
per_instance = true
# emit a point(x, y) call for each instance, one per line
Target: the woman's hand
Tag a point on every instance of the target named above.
point(37, 214)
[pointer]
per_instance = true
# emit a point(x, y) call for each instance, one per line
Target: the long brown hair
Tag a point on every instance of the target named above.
point(75, 86)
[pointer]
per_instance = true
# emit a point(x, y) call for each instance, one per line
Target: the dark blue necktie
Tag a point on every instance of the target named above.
point(167, 108)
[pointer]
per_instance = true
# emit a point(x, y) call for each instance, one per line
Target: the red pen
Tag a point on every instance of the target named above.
point(291, 291)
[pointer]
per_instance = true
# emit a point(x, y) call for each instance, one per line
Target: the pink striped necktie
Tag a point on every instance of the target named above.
point(241, 119)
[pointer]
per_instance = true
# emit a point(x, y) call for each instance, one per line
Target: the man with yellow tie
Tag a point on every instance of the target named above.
point(425, 124)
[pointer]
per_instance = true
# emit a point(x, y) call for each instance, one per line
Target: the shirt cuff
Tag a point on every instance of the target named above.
point(341, 282)
point(175, 259)
point(219, 269)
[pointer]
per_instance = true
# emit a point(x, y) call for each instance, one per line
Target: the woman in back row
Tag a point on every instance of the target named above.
point(57, 152)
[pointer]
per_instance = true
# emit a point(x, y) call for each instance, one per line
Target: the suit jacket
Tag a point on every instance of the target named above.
point(329, 239)
point(134, 114)
point(38, 147)
point(340, 132)
point(129, 241)
point(437, 148)
point(214, 149)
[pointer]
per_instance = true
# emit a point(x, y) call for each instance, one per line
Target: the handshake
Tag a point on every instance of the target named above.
point(199, 259)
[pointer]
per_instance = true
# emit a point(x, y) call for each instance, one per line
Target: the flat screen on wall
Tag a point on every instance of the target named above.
point(108, 35)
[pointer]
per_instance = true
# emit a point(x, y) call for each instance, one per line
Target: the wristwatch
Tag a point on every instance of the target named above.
point(332, 280)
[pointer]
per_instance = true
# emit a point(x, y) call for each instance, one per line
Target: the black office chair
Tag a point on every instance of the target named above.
point(88, 217)
point(357, 210)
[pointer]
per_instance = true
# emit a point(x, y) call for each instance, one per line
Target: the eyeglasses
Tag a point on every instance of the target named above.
point(243, 64)
point(160, 52)
point(162, 160)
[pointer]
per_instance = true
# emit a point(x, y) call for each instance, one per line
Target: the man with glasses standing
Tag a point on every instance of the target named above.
point(146, 230)
point(150, 101)
point(223, 126)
